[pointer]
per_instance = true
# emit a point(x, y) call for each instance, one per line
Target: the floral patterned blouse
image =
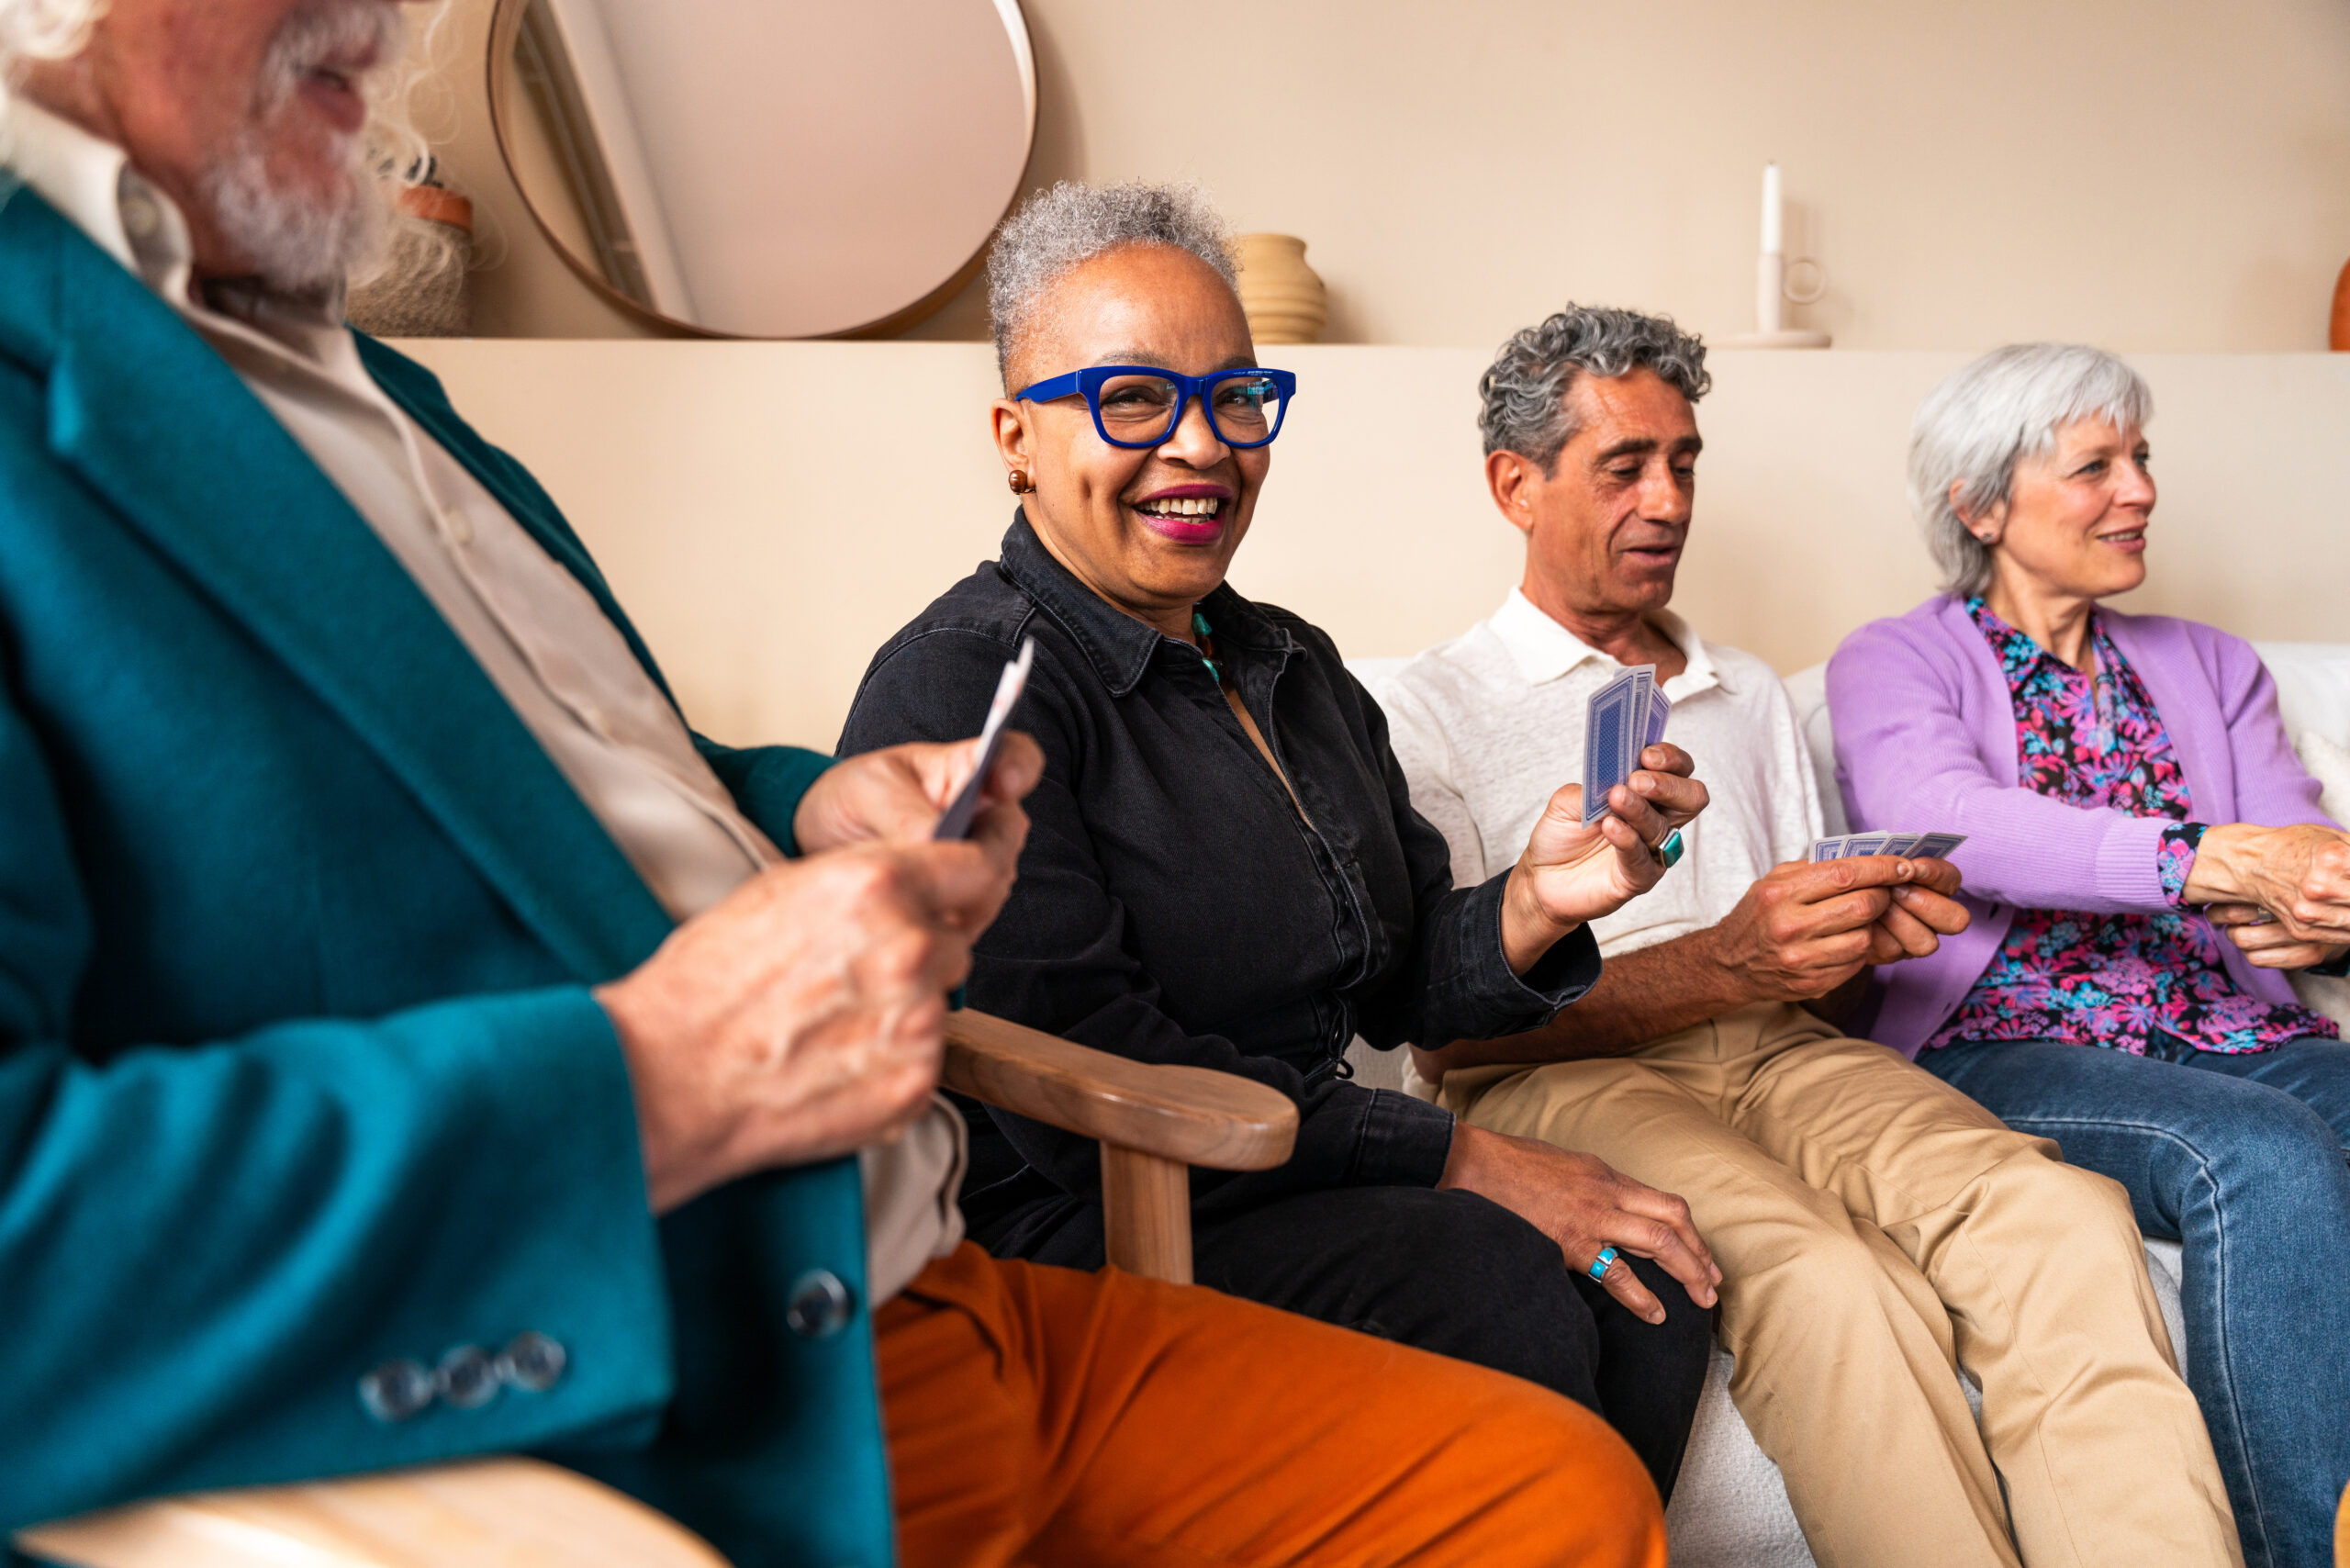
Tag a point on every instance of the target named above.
point(2108, 979)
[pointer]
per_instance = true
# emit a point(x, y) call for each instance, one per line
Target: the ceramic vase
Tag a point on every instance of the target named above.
point(1282, 296)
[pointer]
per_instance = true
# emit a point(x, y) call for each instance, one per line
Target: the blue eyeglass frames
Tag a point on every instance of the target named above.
point(1140, 404)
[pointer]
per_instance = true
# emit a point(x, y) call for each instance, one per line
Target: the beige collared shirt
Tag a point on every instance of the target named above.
point(538, 634)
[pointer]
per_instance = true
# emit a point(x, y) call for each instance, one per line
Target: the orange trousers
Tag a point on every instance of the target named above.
point(1047, 1418)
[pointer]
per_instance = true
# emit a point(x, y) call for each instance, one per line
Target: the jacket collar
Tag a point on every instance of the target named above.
point(1119, 646)
point(160, 428)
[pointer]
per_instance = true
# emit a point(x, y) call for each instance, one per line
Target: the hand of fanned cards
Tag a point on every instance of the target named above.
point(1625, 718)
point(1916, 845)
point(956, 822)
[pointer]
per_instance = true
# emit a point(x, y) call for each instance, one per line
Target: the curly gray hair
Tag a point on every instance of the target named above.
point(1058, 228)
point(1525, 389)
point(1987, 416)
point(39, 29)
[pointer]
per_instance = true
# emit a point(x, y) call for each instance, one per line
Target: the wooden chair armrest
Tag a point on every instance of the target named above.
point(1189, 1115)
point(491, 1513)
point(1153, 1122)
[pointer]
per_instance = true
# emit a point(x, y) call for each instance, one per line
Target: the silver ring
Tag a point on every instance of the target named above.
point(1598, 1269)
point(1668, 853)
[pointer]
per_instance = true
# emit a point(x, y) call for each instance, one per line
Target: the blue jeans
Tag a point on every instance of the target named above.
point(2241, 1160)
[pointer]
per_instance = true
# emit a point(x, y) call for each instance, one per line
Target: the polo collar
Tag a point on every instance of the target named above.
point(1543, 650)
point(1119, 646)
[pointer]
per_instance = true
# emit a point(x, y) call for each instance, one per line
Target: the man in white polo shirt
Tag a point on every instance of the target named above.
point(1875, 1226)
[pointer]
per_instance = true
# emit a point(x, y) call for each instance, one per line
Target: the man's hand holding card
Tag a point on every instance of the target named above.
point(1580, 864)
point(1624, 718)
point(1808, 926)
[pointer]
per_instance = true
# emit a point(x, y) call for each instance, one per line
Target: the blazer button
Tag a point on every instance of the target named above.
point(532, 1361)
point(819, 1304)
point(467, 1378)
point(396, 1390)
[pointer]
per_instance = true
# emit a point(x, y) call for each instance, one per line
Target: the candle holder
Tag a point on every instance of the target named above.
point(1774, 286)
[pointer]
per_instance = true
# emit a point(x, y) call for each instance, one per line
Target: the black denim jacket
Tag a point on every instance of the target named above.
point(1173, 907)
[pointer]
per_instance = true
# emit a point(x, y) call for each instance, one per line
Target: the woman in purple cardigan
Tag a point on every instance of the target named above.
point(2145, 857)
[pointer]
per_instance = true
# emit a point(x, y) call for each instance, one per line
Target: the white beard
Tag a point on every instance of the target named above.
point(296, 243)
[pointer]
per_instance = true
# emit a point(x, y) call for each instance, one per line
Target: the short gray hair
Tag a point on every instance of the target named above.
point(1070, 224)
point(1525, 389)
point(1989, 415)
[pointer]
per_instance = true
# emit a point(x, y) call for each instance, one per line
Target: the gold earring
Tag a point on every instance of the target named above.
point(1018, 480)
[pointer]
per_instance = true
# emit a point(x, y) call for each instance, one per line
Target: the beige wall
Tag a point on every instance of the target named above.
point(2152, 174)
point(768, 527)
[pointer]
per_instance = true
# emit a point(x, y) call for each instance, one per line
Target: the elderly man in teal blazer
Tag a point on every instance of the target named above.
point(387, 1194)
point(414, 1042)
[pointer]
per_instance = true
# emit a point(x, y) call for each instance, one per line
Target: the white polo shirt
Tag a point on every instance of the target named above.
point(1490, 723)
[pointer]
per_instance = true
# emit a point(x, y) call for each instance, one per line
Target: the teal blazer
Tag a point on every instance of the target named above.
point(299, 1072)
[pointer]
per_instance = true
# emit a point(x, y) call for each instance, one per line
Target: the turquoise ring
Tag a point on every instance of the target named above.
point(1598, 1269)
point(1668, 854)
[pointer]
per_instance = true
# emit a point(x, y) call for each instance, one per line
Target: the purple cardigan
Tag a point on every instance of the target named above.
point(1926, 738)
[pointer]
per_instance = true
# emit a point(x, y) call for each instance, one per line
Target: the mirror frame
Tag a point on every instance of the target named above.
point(505, 30)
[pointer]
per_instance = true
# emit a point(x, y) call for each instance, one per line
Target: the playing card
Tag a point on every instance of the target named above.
point(956, 821)
point(1608, 738)
point(1659, 708)
point(1643, 704)
point(1916, 845)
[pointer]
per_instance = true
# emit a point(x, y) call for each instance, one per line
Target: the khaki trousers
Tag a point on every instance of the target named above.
point(1877, 1229)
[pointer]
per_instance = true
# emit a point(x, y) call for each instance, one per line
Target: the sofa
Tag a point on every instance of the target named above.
point(1730, 1509)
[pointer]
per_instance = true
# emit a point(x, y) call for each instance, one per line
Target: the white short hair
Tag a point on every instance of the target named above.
point(1987, 416)
point(39, 29)
point(1058, 230)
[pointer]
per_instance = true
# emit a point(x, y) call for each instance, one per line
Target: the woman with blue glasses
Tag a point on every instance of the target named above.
point(1225, 869)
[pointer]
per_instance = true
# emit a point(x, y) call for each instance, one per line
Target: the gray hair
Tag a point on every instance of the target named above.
point(1989, 415)
point(39, 29)
point(1525, 389)
point(1070, 224)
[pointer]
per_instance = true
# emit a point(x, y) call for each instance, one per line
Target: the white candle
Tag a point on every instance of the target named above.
point(1771, 243)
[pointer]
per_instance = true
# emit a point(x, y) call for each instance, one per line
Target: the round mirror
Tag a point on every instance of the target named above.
point(757, 169)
